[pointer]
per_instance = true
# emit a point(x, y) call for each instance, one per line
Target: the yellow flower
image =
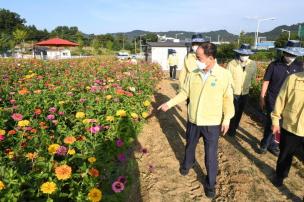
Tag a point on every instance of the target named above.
point(31, 155)
point(147, 103)
point(48, 187)
point(63, 172)
point(53, 148)
point(110, 118)
point(2, 132)
point(11, 154)
point(92, 159)
point(145, 114)
point(80, 115)
point(71, 151)
point(23, 123)
point(86, 121)
point(134, 115)
point(109, 97)
point(69, 140)
point(88, 87)
point(121, 113)
point(95, 195)
point(2, 185)
point(61, 102)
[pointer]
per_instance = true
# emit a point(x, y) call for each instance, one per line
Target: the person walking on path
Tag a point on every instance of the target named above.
point(173, 62)
point(210, 109)
point(274, 77)
point(289, 106)
point(243, 71)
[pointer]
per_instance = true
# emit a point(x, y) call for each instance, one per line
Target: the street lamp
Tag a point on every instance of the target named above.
point(258, 26)
point(178, 34)
point(284, 30)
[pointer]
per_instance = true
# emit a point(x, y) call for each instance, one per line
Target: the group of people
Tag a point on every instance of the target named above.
point(217, 96)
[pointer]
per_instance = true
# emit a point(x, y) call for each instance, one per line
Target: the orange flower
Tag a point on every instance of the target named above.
point(31, 155)
point(12, 132)
point(38, 111)
point(23, 91)
point(93, 172)
point(69, 140)
point(34, 130)
point(63, 172)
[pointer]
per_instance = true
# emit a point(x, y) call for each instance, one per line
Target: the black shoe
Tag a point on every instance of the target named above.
point(277, 182)
point(183, 171)
point(262, 150)
point(210, 193)
point(275, 151)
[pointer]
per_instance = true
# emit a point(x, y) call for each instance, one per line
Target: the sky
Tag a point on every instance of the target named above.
point(110, 16)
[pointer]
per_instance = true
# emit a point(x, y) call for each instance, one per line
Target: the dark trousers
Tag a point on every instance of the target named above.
point(239, 102)
point(290, 145)
point(268, 138)
point(173, 72)
point(210, 136)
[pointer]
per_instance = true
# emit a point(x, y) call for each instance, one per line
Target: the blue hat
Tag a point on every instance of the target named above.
point(244, 50)
point(197, 38)
point(293, 47)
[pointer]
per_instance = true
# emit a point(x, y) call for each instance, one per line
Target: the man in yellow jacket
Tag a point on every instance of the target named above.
point(289, 106)
point(243, 72)
point(173, 62)
point(210, 109)
point(190, 59)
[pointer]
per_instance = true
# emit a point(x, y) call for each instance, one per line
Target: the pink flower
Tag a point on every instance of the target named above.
point(95, 129)
point(118, 186)
point(52, 110)
point(17, 117)
point(119, 143)
point(2, 137)
point(12, 101)
point(121, 157)
point(51, 117)
point(82, 100)
point(61, 151)
point(61, 113)
point(122, 179)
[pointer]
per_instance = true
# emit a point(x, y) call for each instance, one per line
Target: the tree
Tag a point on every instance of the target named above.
point(19, 37)
point(283, 38)
point(246, 39)
point(4, 42)
point(96, 45)
point(9, 21)
point(65, 32)
point(36, 35)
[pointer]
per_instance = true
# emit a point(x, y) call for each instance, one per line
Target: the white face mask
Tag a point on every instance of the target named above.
point(201, 65)
point(194, 48)
point(289, 60)
point(244, 58)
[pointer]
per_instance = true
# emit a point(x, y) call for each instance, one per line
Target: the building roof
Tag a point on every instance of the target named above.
point(167, 44)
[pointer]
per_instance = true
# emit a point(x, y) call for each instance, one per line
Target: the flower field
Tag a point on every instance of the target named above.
point(66, 127)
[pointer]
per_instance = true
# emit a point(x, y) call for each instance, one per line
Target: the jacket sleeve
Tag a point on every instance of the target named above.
point(228, 107)
point(280, 103)
point(181, 96)
point(230, 69)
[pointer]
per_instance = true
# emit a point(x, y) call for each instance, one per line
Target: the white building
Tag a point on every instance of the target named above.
point(58, 54)
point(160, 52)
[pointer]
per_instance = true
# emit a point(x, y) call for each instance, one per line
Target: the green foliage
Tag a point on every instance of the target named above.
point(225, 51)
point(246, 39)
point(264, 55)
point(9, 21)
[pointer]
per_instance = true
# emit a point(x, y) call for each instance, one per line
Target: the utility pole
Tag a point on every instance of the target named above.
point(135, 45)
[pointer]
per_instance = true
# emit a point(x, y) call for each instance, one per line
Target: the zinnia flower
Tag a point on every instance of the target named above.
point(2, 137)
point(61, 151)
point(38, 111)
point(23, 123)
point(61, 113)
point(134, 115)
point(117, 186)
point(71, 151)
point(51, 117)
point(53, 148)
point(119, 143)
point(93, 172)
point(31, 155)
point(17, 117)
point(122, 179)
point(110, 118)
point(108, 97)
point(63, 172)
point(52, 110)
point(69, 140)
point(121, 113)
point(2, 185)
point(80, 115)
point(121, 157)
point(48, 187)
point(147, 103)
point(145, 114)
point(95, 195)
point(2, 132)
point(92, 159)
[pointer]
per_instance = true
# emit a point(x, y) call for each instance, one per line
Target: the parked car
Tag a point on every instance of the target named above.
point(122, 55)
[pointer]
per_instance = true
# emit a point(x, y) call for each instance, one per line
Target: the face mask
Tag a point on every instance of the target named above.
point(289, 60)
point(194, 48)
point(201, 65)
point(244, 58)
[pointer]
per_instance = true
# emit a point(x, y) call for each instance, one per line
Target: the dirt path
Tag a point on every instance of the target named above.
point(244, 175)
